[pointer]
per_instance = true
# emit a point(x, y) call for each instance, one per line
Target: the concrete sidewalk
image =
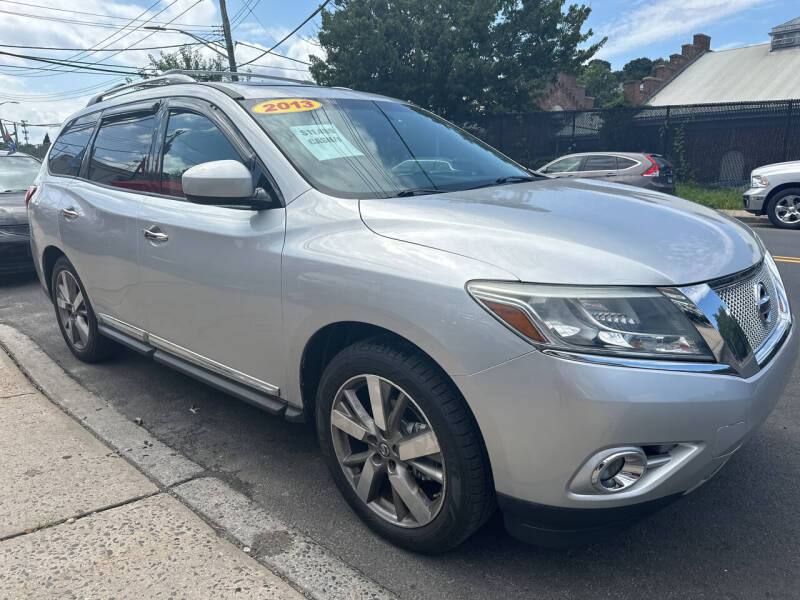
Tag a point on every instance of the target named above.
point(77, 520)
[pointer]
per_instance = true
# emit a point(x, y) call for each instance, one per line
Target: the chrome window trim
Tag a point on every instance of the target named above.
point(188, 355)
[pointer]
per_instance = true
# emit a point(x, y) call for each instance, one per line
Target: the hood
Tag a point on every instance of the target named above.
point(573, 231)
point(775, 168)
point(12, 208)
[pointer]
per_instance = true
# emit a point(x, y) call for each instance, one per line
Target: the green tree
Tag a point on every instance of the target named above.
point(455, 57)
point(601, 82)
point(188, 58)
point(639, 68)
point(46, 141)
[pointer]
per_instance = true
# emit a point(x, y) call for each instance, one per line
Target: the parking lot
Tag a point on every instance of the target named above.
point(735, 537)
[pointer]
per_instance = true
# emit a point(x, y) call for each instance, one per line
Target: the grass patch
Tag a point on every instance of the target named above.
point(721, 197)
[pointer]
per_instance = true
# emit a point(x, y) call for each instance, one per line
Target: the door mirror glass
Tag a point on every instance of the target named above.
point(218, 182)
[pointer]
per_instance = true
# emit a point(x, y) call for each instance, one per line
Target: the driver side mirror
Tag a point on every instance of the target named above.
point(223, 182)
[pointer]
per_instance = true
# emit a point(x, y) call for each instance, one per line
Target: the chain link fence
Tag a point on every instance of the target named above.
point(713, 144)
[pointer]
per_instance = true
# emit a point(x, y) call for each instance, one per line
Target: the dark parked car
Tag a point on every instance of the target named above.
point(651, 171)
point(17, 172)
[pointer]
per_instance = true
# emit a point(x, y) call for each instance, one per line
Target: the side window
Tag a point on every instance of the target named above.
point(121, 150)
point(191, 139)
point(600, 162)
point(625, 163)
point(565, 165)
point(67, 152)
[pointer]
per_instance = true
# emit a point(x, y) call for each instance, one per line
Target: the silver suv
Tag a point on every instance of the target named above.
point(464, 334)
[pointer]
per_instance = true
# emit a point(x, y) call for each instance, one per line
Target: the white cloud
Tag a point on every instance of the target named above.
point(50, 97)
point(657, 20)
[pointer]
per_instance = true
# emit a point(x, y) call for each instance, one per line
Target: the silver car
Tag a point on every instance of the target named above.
point(651, 171)
point(775, 192)
point(463, 334)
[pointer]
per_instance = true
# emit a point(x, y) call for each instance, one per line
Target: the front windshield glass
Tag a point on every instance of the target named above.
point(17, 173)
point(368, 148)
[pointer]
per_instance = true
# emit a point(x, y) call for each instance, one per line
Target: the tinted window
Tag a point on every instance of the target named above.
point(366, 149)
point(625, 163)
point(191, 139)
point(565, 165)
point(17, 173)
point(67, 152)
point(121, 150)
point(600, 163)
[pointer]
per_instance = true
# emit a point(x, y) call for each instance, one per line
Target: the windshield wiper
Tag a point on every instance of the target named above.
point(509, 179)
point(417, 192)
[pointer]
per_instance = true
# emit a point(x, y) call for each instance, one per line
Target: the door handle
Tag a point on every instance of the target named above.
point(70, 213)
point(154, 234)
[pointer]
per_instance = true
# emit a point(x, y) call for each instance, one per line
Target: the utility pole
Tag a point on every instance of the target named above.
point(25, 131)
point(226, 30)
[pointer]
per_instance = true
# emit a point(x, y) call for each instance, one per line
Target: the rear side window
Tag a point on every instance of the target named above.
point(121, 150)
point(565, 165)
point(625, 163)
point(600, 163)
point(191, 139)
point(68, 150)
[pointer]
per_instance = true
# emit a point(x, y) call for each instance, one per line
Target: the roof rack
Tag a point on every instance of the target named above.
point(165, 79)
point(241, 75)
point(183, 76)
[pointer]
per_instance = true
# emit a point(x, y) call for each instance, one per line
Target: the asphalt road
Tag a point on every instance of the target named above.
point(738, 536)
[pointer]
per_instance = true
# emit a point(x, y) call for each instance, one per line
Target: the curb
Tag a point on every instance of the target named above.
point(747, 217)
point(301, 561)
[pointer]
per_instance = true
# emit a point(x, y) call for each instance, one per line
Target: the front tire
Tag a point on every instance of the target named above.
point(75, 316)
point(402, 446)
point(784, 209)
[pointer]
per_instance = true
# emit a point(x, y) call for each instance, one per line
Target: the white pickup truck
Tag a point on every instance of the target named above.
point(775, 192)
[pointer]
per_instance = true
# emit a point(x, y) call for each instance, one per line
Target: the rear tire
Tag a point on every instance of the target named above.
point(75, 316)
point(783, 209)
point(426, 511)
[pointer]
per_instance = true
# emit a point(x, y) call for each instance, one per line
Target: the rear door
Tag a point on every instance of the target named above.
point(600, 166)
point(98, 214)
point(211, 274)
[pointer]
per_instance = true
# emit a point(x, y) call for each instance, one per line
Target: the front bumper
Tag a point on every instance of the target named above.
point(753, 200)
point(543, 416)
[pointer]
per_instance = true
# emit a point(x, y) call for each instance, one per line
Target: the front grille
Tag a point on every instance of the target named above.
point(15, 229)
point(740, 296)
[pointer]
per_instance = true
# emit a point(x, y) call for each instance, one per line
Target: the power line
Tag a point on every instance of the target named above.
point(297, 60)
point(68, 64)
point(104, 15)
point(100, 50)
point(290, 34)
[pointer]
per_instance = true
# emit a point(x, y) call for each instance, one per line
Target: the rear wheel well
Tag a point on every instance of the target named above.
point(49, 257)
point(777, 190)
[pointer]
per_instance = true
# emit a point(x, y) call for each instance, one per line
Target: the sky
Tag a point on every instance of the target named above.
point(652, 28)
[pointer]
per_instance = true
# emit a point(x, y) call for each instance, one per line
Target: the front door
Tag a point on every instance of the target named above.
point(211, 274)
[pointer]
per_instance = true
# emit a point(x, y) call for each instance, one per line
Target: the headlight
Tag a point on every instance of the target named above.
point(758, 181)
point(627, 321)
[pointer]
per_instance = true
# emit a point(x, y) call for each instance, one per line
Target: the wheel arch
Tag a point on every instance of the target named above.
point(49, 257)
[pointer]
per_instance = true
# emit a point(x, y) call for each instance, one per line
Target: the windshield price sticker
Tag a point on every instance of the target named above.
point(325, 141)
point(288, 105)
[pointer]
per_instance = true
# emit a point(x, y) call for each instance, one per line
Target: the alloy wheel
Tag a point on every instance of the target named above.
point(787, 209)
point(388, 451)
point(72, 310)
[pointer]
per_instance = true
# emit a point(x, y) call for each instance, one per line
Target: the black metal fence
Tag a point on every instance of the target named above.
point(710, 143)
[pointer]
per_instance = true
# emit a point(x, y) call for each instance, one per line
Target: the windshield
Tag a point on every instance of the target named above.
point(367, 148)
point(17, 173)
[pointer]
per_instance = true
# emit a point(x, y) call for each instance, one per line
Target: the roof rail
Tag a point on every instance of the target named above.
point(241, 75)
point(166, 79)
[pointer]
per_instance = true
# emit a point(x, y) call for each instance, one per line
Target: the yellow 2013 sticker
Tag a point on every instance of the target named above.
point(287, 105)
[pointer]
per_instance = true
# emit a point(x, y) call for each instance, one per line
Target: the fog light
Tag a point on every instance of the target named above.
point(620, 470)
